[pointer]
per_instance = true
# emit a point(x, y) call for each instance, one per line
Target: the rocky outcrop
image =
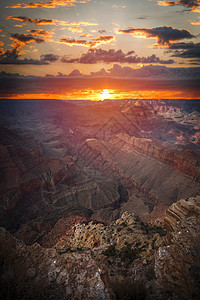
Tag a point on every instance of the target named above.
point(180, 211)
point(32, 272)
point(126, 259)
point(125, 230)
point(177, 265)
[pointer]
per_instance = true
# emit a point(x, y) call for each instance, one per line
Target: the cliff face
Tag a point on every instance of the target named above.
point(165, 175)
point(187, 163)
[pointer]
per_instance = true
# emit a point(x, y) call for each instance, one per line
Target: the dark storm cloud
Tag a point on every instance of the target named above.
point(94, 56)
point(193, 5)
point(164, 35)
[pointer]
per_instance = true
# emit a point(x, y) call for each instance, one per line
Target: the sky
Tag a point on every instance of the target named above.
point(86, 49)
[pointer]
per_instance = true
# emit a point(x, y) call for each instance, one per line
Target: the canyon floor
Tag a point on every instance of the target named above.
point(100, 184)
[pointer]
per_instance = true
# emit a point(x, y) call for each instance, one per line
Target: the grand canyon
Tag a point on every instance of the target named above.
point(100, 199)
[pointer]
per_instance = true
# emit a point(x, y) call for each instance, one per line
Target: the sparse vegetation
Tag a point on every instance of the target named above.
point(153, 229)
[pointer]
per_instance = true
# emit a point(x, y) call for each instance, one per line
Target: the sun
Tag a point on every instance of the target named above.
point(105, 94)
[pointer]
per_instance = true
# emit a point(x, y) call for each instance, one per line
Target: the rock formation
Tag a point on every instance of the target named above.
point(31, 272)
point(177, 265)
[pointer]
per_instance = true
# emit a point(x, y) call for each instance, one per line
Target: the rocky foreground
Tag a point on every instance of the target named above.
point(126, 259)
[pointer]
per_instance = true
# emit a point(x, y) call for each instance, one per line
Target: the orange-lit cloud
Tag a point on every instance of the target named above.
point(40, 32)
point(104, 39)
point(80, 23)
point(22, 39)
point(192, 5)
point(75, 29)
point(56, 22)
point(164, 35)
point(86, 35)
point(34, 21)
point(49, 4)
point(197, 22)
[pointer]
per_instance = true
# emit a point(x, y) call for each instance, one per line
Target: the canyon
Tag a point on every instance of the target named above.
point(102, 182)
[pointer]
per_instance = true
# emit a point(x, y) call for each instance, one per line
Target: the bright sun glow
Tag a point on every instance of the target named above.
point(105, 94)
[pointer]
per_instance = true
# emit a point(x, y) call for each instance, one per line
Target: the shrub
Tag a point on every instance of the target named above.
point(127, 253)
point(111, 251)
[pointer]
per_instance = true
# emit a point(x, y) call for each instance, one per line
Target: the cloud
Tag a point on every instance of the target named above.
point(22, 39)
point(76, 29)
point(34, 21)
point(86, 35)
point(143, 17)
point(192, 5)
point(104, 39)
point(40, 32)
point(145, 72)
point(119, 6)
point(151, 71)
point(102, 31)
point(197, 22)
point(94, 56)
point(49, 4)
point(186, 50)
point(49, 58)
point(11, 57)
point(164, 35)
point(45, 21)
point(75, 73)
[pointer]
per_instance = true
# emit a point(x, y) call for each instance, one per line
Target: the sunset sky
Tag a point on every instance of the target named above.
point(71, 49)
